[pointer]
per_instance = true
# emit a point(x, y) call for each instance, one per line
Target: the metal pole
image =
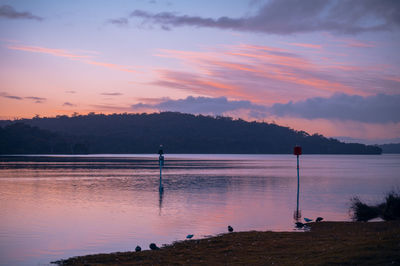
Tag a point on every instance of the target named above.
point(298, 185)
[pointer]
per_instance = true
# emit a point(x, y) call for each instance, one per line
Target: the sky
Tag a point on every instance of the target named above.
point(323, 66)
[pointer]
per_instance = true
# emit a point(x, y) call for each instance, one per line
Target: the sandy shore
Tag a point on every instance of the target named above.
point(356, 243)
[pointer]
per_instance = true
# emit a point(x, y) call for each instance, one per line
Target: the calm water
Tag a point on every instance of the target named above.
point(61, 206)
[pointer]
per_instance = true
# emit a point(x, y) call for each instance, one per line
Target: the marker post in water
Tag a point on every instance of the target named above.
point(161, 163)
point(297, 151)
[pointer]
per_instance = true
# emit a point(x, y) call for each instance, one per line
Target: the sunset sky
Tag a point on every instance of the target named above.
point(328, 67)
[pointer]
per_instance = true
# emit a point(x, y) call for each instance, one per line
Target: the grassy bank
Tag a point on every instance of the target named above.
point(375, 243)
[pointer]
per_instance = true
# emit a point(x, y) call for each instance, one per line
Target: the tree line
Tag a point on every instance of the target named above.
point(179, 133)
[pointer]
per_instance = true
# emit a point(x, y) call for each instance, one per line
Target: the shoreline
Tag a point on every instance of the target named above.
point(374, 243)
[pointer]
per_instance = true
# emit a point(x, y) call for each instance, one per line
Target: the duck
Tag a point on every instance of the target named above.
point(299, 225)
point(319, 219)
point(153, 246)
point(138, 248)
point(307, 220)
point(230, 228)
point(189, 236)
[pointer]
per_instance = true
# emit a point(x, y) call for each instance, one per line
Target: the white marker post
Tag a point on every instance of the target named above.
point(161, 163)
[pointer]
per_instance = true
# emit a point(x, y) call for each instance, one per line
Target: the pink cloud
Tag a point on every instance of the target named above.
point(198, 85)
point(66, 54)
point(306, 45)
point(111, 66)
point(54, 52)
point(257, 73)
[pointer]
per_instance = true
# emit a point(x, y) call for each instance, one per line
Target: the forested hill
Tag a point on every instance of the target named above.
point(179, 133)
point(390, 148)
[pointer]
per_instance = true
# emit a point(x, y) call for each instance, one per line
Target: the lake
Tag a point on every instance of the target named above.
point(55, 207)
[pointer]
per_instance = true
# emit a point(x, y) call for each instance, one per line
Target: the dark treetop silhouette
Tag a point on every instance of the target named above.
point(180, 133)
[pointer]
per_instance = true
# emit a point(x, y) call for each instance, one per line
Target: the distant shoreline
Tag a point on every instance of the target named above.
point(152, 157)
point(172, 154)
point(355, 243)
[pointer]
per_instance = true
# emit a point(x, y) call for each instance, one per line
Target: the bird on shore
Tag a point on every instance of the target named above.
point(189, 236)
point(230, 228)
point(319, 219)
point(307, 220)
point(138, 248)
point(299, 225)
point(153, 246)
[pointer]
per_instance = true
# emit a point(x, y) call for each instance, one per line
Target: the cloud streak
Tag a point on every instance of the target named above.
point(294, 16)
point(13, 97)
point(306, 45)
point(6, 95)
point(36, 99)
point(68, 104)
point(44, 50)
point(119, 21)
point(9, 12)
point(111, 93)
point(66, 54)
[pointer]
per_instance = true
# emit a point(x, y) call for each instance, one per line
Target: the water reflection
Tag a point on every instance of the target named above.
point(160, 200)
point(297, 215)
point(56, 207)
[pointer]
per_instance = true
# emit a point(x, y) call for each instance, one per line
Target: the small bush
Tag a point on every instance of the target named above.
point(389, 210)
point(361, 211)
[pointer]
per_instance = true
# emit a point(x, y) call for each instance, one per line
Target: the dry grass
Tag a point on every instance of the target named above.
point(328, 243)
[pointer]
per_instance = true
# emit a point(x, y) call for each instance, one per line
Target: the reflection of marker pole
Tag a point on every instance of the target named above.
point(297, 152)
point(161, 163)
point(160, 201)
